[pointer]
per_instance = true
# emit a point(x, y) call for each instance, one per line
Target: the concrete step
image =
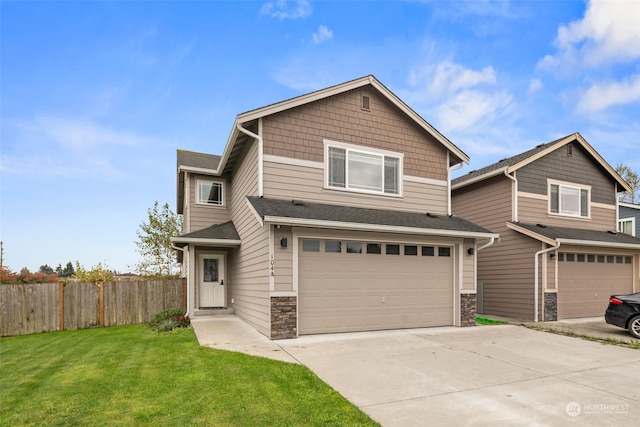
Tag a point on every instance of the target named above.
point(218, 311)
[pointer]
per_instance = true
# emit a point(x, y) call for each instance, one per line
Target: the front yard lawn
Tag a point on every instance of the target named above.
point(129, 375)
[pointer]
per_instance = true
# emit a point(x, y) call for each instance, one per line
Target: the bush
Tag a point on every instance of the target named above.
point(168, 320)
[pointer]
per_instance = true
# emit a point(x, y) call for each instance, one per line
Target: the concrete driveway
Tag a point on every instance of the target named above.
point(491, 375)
point(595, 327)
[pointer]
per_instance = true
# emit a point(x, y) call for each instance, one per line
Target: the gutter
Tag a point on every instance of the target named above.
point(260, 157)
point(486, 245)
point(515, 195)
point(173, 246)
point(537, 278)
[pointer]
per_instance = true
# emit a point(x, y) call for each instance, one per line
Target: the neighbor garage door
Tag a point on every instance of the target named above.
point(586, 281)
point(347, 286)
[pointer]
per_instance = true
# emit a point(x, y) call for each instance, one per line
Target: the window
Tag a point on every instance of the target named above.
point(428, 251)
point(568, 200)
point(410, 250)
point(628, 260)
point(374, 248)
point(571, 257)
point(393, 249)
point(601, 259)
point(560, 257)
point(619, 259)
point(444, 251)
point(210, 193)
point(354, 247)
point(333, 246)
point(591, 258)
point(627, 226)
point(580, 257)
point(311, 245)
point(610, 259)
point(364, 171)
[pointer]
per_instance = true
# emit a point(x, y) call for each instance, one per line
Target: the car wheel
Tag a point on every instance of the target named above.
point(634, 327)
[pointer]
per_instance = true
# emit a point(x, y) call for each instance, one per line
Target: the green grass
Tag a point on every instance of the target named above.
point(129, 375)
point(485, 321)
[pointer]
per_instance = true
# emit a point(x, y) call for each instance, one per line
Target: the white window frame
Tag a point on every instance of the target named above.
point(364, 150)
point(632, 220)
point(562, 184)
point(210, 181)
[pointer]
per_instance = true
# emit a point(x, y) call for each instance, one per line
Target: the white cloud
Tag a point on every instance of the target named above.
point(608, 32)
point(322, 35)
point(282, 9)
point(601, 96)
point(469, 108)
point(447, 77)
point(534, 86)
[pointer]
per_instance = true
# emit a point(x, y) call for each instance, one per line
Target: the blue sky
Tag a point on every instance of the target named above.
point(97, 96)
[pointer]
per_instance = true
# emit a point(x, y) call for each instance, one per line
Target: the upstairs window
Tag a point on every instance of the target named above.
point(363, 171)
point(627, 226)
point(569, 200)
point(210, 193)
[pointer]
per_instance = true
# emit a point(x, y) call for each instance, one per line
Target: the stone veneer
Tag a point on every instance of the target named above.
point(467, 310)
point(550, 307)
point(284, 318)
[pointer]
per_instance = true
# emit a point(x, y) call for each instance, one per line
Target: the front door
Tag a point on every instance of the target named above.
point(212, 286)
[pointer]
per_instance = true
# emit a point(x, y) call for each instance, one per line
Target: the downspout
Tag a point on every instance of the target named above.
point(486, 245)
point(537, 278)
point(260, 157)
point(173, 246)
point(449, 170)
point(515, 196)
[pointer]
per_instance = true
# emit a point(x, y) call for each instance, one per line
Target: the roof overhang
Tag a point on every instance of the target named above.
point(478, 178)
point(576, 242)
point(337, 225)
point(204, 242)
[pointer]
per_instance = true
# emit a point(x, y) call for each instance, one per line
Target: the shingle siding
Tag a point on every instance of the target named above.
point(579, 168)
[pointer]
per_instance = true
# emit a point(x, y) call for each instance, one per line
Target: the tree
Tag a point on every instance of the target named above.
point(634, 182)
point(46, 269)
point(98, 273)
point(154, 242)
point(67, 271)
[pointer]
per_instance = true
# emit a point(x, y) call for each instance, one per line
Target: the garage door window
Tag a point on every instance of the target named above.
point(591, 258)
point(311, 245)
point(580, 257)
point(333, 246)
point(410, 250)
point(393, 249)
point(374, 248)
point(354, 247)
point(610, 259)
point(444, 251)
point(428, 251)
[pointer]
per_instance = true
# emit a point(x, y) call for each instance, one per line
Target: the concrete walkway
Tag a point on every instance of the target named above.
point(229, 332)
point(587, 327)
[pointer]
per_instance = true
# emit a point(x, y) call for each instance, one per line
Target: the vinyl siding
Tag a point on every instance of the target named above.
point(283, 258)
point(201, 216)
point(505, 268)
point(580, 168)
point(248, 264)
point(534, 211)
point(626, 213)
point(299, 132)
point(287, 181)
point(468, 267)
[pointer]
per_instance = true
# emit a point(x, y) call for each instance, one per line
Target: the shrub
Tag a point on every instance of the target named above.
point(168, 320)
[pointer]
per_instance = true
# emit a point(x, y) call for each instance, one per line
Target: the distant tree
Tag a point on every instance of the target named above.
point(25, 271)
point(633, 180)
point(46, 269)
point(25, 276)
point(154, 242)
point(98, 273)
point(67, 271)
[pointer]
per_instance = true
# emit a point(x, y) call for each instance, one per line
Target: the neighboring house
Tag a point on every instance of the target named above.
point(329, 212)
point(629, 218)
point(559, 255)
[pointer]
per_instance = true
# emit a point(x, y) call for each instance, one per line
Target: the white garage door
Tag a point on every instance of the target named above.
point(347, 286)
point(586, 281)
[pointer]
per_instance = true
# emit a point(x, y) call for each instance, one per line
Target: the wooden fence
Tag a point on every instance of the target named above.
point(45, 307)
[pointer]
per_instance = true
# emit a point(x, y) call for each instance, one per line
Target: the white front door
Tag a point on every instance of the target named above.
point(212, 285)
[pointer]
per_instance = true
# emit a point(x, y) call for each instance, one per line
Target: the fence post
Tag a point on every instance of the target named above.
point(184, 293)
point(101, 286)
point(61, 306)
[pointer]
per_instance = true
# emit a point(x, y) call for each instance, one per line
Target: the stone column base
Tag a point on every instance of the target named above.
point(284, 318)
point(468, 310)
point(550, 307)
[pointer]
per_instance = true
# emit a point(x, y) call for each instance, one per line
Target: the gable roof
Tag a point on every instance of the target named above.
point(224, 234)
point(192, 161)
point(302, 213)
point(576, 236)
point(512, 164)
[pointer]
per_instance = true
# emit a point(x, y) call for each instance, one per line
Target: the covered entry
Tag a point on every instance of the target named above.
point(354, 285)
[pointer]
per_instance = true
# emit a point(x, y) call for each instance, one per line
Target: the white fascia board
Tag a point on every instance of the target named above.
point(532, 234)
point(599, 244)
point(479, 178)
point(194, 169)
point(303, 222)
point(208, 242)
point(629, 205)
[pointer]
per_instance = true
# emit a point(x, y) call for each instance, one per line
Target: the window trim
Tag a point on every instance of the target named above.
point(571, 185)
point(633, 224)
point(210, 181)
point(367, 151)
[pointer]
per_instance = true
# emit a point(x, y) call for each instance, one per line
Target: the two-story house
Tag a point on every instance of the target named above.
point(329, 212)
point(559, 255)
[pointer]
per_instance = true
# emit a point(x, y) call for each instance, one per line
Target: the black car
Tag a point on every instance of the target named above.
point(624, 311)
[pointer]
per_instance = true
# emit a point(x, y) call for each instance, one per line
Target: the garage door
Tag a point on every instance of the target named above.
point(347, 286)
point(586, 281)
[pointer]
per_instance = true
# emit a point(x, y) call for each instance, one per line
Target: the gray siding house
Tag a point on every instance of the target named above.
point(556, 210)
point(329, 212)
point(629, 218)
